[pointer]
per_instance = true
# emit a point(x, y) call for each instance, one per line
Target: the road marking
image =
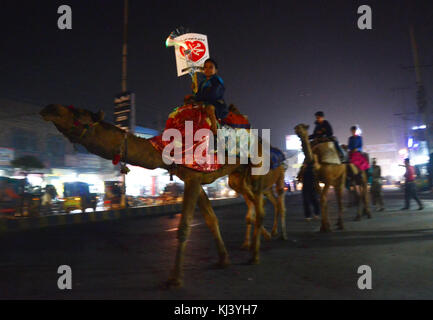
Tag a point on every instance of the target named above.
point(175, 229)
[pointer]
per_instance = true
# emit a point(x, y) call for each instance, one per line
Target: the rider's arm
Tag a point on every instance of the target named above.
point(328, 128)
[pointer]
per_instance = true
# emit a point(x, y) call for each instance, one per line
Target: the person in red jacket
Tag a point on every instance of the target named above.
point(410, 186)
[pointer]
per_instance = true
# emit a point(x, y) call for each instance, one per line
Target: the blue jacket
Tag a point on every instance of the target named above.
point(355, 142)
point(211, 92)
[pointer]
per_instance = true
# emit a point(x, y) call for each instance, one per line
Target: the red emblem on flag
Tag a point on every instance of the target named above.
point(198, 50)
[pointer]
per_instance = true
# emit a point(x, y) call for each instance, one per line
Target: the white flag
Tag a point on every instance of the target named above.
point(197, 43)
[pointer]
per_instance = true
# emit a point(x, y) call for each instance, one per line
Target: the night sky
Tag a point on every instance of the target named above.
point(281, 60)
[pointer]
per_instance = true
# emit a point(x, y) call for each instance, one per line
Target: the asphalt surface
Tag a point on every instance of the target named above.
point(131, 259)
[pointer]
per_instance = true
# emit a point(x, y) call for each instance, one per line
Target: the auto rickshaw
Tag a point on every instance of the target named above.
point(10, 195)
point(78, 197)
point(18, 198)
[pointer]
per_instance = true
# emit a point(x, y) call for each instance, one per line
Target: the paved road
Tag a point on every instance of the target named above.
point(130, 259)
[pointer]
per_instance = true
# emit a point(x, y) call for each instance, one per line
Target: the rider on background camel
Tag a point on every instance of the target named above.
point(355, 150)
point(323, 129)
point(355, 141)
point(210, 92)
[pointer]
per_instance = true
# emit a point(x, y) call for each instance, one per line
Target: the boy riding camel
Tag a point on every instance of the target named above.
point(210, 93)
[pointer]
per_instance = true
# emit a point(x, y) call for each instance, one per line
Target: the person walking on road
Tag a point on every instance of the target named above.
point(309, 191)
point(376, 186)
point(410, 186)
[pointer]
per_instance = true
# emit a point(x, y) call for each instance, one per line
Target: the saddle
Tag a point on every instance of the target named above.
point(360, 160)
point(198, 116)
point(326, 152)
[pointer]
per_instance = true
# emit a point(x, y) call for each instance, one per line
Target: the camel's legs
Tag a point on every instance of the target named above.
point(365, 195)
point(249, 219)
point(212, 222)
point(251, 216)
point(270, 196)
point(339, 194)
point(191, 193)
point(339, 187)
point(260, 213)
point(360, 196)
point(324, 207)
point(282, 205)
point(238, 183)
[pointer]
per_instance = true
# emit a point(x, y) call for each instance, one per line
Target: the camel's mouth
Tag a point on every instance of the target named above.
point(300, 128)
point(50, 112)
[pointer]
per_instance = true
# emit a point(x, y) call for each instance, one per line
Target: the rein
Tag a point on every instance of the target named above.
point(87, 127)
point(123, 146)
point(123, 168)
point(77, 123)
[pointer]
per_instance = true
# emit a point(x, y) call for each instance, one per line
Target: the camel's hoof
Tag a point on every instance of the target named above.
point(357, 218)
point(254, 261)
point(246, 246)
point(284, 237)
point(267, 236)
point(174, 283)
point(274, 234)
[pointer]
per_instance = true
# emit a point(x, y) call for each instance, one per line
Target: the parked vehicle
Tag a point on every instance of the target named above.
point(78, 197)
point(18, 198)
point(173, 193)
point(11, 191)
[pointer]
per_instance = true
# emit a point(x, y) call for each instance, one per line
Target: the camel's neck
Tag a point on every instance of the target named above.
point(105, 140)
point(306, 147)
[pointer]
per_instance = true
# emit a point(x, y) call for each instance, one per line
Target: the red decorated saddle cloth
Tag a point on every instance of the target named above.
point(236, 121)
point(359, 160)
point(188, 119)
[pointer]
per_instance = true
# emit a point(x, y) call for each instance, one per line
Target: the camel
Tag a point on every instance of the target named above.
point(105, 140)
point(330, 174)
point(359, 181)
point(334, 175)
point(358, 187)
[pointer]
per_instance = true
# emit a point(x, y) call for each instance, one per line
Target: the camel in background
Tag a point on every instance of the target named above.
point(334, 175)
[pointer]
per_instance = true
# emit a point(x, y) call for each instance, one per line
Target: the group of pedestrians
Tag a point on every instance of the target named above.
point(310, 182)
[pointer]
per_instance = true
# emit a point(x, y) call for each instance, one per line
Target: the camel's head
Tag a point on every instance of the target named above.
point(69, 120)
point(302, 130)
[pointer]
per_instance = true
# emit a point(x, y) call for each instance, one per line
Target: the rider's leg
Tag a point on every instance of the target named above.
point(210, 110)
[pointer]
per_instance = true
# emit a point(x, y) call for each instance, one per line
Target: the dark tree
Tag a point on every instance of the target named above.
point(27, 163)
